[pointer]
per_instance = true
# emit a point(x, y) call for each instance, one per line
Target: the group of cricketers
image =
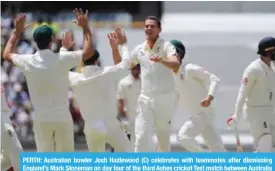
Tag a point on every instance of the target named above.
point(160, 80)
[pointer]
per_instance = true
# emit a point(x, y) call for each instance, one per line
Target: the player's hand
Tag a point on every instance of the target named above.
point(232, 121)
point(67, 40)
point(112, 40)
point(121, 36)
point(156, 58)
point(19, 23)
point(206, 102)
point(82, 19)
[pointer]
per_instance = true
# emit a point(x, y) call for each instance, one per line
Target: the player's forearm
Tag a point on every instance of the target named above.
point(116, 55)
point(174, 65)
point(125, 55)
point(121, 107)
point(214, 85)
point(242, 95)
point(88, 49)
point(11, 45)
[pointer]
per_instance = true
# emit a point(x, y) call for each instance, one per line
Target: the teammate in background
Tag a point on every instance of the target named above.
point(157, 101)
point(47, 77)
point(10, 144)
point(127, 95)
point(197, 89)
point(256, 97)
point(95, 94)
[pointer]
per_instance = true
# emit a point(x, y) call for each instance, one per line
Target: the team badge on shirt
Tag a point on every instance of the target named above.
point(245, 81)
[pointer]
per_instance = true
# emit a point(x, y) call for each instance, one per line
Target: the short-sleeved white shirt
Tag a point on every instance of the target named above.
point(129, 90)
point(47, 73)
point(156, 78)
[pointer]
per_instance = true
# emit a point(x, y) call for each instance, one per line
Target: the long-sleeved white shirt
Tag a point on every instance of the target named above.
point(95, 91)
point(258, 86)
point(155, 77)
point(194, 84)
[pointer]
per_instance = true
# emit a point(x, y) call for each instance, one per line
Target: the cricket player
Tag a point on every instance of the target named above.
point(11, 146)
point(157, 101)
point(47, 77)
point(127, 95)
point(197, 89)
point(95, 94)
point(256, 97)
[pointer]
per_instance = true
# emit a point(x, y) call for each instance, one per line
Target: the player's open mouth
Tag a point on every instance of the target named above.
point(149, 33)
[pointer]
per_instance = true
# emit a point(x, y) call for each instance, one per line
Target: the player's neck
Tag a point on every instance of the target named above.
point(136, 77)
point(151, 42)
point(266, 60)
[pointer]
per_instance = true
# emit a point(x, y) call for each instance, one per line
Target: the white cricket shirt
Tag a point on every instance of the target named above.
point(47, 73)
point(155, 77)
point(95, 92)
point(258, 86)
point(194, 84)
point(129, 90)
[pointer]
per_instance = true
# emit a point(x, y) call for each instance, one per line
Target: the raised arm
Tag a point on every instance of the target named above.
point(82, 20)
point(114, 45)
point(20, 27)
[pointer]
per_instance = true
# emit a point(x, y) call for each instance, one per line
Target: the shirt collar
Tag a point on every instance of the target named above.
point(44, 51)
point(265, 65)
point(159, 39)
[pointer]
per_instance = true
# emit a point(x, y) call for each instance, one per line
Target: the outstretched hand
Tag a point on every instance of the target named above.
point(121, 36)
point(112, 40)
point(19, 23)
point(82, 19)
point(67, 40)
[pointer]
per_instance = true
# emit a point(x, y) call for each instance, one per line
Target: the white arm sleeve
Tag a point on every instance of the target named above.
point(170, 49)
point(248, 80)
point(127, 59)
point(120, 90)
point(70, 58)
point(21, 61)
point(207, 78)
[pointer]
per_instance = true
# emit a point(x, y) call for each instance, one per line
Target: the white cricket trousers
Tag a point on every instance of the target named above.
point(54, 136)
point(261, 122)
point(107, 130)
point(154, 113)
point(11, 148)
point(130, 128)
point(200, 124)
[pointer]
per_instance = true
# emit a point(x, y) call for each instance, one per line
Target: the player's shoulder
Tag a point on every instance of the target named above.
point(125, 81)
point(254, 66)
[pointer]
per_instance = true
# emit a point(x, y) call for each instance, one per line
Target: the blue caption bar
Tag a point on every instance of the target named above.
point(83, 161)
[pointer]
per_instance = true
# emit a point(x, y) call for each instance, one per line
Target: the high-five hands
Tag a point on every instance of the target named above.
point(82, 19)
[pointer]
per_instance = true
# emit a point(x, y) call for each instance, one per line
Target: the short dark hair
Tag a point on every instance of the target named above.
point(92, 59)
point(43, 36)
point(155, 19)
